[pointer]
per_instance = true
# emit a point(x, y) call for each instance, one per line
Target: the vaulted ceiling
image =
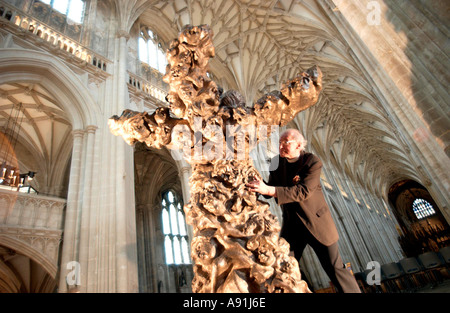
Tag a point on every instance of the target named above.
point(154, 172)
point(39, 131)
point(20, 274)
point(259, 44)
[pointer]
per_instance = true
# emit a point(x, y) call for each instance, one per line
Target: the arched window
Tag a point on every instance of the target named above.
point(422, 208)
point(151, 51)
point(74, 9)
point(174, 228)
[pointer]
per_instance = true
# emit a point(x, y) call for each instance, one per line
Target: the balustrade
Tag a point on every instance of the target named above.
point(31, 210)
point(33, 220)
point(23, 23)
point(148, 88)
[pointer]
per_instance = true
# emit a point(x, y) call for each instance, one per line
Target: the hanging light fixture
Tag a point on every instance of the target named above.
point(9, 171)
point(24, 178)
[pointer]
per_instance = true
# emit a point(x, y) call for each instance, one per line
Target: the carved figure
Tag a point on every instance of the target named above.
point(236, 245)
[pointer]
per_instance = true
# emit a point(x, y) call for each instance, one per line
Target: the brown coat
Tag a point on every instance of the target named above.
point(300, 195)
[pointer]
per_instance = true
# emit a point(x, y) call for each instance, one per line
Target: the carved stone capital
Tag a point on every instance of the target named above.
point(90, 129)
point(123, 33)
point(78, 133)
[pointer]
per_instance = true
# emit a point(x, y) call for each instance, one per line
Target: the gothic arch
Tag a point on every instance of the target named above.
point(419, 234)
point(29, 251)
point(19, 65)
point(64, 105)
point(156, 171)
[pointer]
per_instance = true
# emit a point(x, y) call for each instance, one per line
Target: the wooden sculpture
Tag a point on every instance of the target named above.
point(236, 245)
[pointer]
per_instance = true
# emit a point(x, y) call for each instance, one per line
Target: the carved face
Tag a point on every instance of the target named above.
point(303, 91)
point(286, 264)
point(179, 71)
point(161, 115)
point(186, 92)
point(265, 254)
point(203, 251)
point(254, 225)
point(193, 34)
point(185, 57)
point(177, 106)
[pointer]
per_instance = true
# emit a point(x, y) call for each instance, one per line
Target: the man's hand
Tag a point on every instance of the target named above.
point(257, 185)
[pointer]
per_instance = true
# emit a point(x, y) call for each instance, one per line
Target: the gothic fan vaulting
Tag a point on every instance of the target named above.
point(376, 116)
point(260, 44)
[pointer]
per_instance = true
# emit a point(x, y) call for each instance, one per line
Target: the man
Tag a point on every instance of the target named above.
point(306, 216)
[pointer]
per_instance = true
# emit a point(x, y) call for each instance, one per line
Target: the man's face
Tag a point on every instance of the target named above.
point(289, 147)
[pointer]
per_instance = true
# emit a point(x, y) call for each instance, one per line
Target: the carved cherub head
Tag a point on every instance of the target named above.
point(265, 254)
point(186, 92)
point(203, 251)
point(263, 249)
point(264, 107)
point(177, 106)
point(288, 265)
point(161, 115)
point(302, 91)
point(192, 35)
point(198, 39)
point(254, 225)
point(131, 125)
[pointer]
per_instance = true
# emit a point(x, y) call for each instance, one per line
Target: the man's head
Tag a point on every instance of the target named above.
point(292, 143)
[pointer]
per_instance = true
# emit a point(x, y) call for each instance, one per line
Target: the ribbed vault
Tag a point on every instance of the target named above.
point(43, 132)
point(155, 171)
point(259, 44)
point(20, 274)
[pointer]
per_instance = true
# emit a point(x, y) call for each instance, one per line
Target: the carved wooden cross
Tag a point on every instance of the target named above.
point(236, 245)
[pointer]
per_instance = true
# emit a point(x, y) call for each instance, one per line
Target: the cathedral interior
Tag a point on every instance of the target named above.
point(82, 211)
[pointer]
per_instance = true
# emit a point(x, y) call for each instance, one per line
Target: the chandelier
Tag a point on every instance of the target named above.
point(9, 171)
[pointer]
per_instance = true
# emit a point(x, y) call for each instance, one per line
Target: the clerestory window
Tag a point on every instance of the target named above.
point(151, 51)
point(73, 9)
point(174, 228)
point(422, 208)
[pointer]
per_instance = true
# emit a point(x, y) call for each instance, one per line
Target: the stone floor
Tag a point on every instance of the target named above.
point(443, 287)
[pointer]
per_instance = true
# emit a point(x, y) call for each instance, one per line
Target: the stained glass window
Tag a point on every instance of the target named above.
point(422, 208)
point(174, 229)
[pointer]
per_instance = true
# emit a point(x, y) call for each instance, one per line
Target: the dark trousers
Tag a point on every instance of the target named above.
point(329, 258)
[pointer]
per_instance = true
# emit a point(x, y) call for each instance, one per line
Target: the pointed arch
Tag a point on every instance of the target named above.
point(29, 251)
point(67, 87)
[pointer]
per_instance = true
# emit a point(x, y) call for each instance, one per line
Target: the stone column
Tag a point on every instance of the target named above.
point(390, 253)
point(309, 263)
point(184, 173)
point(362, 225)
point(145, 246)
point(69, 251)
point(125, 221)
point(358, 250)
point(381, 252)
point(88, 236)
